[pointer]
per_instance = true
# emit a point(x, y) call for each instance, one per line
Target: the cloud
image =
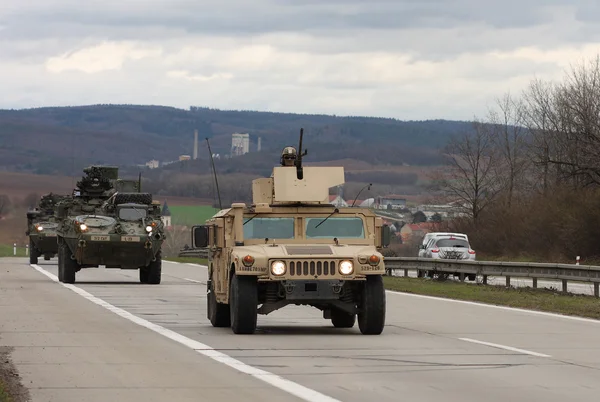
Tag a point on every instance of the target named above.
point(408, 59)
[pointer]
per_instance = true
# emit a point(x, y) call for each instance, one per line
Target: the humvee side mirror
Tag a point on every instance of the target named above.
point(386, 235)
point(200, 236)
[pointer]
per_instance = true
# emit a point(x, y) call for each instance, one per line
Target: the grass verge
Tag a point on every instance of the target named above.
point(4, 397)
point(528, 298)
point(188, 260)
point(6, 250)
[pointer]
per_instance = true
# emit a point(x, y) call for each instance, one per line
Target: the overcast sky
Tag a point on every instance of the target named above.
point(408, 59)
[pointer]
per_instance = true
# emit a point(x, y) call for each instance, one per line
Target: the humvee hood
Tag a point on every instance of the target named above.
point(305, 250)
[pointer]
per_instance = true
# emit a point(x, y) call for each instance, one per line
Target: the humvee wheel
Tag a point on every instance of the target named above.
point(69, 266)
point(154, 270)
point(218, 313)
point(341, 319)
point(33, 256)
point(243, 303)
point(371, 318)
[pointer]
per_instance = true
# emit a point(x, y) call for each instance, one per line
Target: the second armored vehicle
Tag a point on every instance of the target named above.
point(41, 228)
point(291, 246)
point(107, 223)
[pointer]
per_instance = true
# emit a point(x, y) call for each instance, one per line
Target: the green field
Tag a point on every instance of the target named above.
point(191, 214)
point(6, 250)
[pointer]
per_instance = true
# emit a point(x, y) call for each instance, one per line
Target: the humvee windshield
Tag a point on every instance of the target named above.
point(272, 228)
point(341, 228)
point(132, 214)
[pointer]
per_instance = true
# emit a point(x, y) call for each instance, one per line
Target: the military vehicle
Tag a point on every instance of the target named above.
point(41, 228)
point(291, 246)
point(107, 223)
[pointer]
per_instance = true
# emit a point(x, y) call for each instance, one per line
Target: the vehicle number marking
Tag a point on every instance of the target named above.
point(100, 238)
point(130, 238)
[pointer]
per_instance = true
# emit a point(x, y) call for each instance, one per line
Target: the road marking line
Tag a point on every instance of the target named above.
point(521, 310)
point(495, 345)
point(281, 383)
point(192, 280)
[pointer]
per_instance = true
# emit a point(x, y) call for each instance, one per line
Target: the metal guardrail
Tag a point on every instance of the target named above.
point(485, 269)
point(533, 270)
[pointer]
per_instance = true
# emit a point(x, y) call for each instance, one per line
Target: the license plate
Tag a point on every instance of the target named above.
point(130, 238)
point(100, 238)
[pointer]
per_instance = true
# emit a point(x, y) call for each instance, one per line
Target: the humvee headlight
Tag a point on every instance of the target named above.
point(346, 267)
point(248, 260)
point(374, 260)
point(278, 268)
point(83, 226)
point(148, 228)
point(40, 228)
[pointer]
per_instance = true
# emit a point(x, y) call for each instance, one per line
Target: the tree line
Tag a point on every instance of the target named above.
point(527, 175)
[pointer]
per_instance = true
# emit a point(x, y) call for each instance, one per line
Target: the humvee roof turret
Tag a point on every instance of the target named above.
point(291, 246)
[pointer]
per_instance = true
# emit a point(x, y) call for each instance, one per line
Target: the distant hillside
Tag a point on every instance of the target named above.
point(61, 140)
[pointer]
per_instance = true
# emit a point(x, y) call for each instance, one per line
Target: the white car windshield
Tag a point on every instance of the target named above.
point(452, 243)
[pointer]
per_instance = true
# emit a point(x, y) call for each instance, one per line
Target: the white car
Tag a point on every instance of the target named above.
point(429, 236)
point(449, 248)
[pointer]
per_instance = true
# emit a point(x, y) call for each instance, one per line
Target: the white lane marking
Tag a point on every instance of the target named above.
point(495, 345)
point(281, 383)
point(192, 280)
point(521, 310)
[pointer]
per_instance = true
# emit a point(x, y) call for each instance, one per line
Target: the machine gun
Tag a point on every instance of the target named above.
point(298, 162)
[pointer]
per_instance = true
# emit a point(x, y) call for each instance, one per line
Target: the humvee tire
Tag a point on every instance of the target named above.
point(218, 314)
point(342, 319)
point(243, 304)
point(135, 198)
point(33, 256)
point(155, 270)
point(371, 318)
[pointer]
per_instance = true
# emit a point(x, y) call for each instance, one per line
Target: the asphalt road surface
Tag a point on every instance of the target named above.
point(109, 338)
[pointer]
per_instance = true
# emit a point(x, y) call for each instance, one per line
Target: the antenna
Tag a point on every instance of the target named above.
point(368, 187)
point(140, 183)
point(299, 171)
point(212, 161)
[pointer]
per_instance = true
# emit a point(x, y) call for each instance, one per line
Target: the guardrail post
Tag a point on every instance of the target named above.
point(508, 281)
point(596, 289)
point(406, 273)
point(26, 250)
point(485, 279)
point(461, 276)
point(15, 249)
point(534, 283)
point(564, 285)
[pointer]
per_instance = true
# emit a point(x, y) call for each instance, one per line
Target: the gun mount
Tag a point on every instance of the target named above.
point(98, 182)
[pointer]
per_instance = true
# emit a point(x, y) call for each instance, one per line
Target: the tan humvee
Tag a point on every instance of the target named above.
point(291, 246)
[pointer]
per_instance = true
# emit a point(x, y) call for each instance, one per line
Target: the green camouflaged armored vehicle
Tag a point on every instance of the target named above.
point(41, 228)
point(107, 223)
point(291, 246)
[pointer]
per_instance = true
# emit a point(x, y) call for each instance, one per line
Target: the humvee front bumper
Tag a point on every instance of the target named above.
point(312, 289)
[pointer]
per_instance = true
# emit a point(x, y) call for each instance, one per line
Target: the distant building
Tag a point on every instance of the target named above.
point(240, 144)
point(153, 164)
point(184, 158)
point(337, 200)
point(166, 215)
point(395, 201)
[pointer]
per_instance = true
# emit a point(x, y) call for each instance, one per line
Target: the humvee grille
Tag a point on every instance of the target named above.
point(295, 250)
point(312, 268)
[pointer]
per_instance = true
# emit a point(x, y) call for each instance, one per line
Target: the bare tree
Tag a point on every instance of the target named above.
point(470, 178)
point(177, 238)
point(510, 137)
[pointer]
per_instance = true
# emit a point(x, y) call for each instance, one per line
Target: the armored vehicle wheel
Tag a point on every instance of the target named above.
point(371, 318)
point(154, 270)
point(69, 266)
point(135, 198)
point(218, 313)
point(33, 255)
point(243, 303)
point(144, 274)
point(61, 261)
point(342, 319)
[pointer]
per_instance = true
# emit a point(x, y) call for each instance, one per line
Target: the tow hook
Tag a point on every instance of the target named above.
point(148, 244)
point(82, 243)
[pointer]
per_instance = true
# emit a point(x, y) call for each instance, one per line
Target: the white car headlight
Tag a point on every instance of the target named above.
point(278, 268)
point(83, 226)
point(346, 267)
point(148, 228)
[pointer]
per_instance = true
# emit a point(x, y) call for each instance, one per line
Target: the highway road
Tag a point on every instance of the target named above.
point(109, 338)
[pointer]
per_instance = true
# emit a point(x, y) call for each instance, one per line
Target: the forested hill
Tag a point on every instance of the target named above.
point(63, 139)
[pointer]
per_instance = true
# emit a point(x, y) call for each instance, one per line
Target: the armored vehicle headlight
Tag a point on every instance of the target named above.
point(278, 268)
point(248, 260)
point(346, 267)
point(40, 228)
point(148, 228)
point(83, 226)
point(374, 259)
